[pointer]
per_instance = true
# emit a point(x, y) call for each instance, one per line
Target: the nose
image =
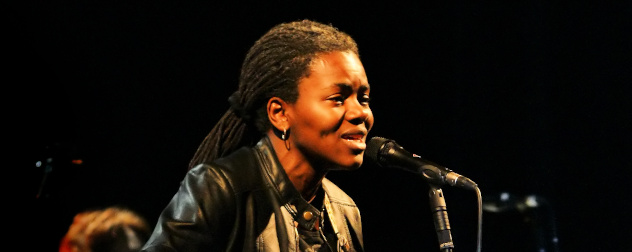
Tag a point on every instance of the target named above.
point(357, 112)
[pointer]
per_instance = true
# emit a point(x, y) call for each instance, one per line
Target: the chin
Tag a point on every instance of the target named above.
point(350, 167)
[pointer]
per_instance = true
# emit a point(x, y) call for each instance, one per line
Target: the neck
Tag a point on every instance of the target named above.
point(304, 176)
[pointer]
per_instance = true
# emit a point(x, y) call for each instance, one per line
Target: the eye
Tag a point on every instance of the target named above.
point(338, 99)
point(364, 99)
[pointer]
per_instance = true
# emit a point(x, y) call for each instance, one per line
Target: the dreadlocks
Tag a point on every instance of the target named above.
point(272, 68)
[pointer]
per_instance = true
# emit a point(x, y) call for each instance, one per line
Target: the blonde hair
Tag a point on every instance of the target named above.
point(106, 229)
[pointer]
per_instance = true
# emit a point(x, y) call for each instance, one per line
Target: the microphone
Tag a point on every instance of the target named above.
point(387, 153)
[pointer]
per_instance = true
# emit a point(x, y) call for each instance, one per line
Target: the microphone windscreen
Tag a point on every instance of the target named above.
point(373, 147)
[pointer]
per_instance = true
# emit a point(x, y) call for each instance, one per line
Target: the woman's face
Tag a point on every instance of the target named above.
point(330, 119)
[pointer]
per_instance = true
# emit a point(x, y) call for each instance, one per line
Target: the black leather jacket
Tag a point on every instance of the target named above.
point(246, 202)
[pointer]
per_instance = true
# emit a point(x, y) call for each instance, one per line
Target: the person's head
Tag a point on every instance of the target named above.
point(106, 230)
point(328, 124)
point(275, 65)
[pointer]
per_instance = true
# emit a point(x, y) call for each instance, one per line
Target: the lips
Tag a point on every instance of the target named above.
point(352, 136)
point(355, 140)
point(356, 134)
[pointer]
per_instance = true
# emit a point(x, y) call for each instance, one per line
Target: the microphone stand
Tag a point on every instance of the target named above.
point(440, 217)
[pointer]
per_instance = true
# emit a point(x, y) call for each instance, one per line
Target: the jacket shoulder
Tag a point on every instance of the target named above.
point(240, 168)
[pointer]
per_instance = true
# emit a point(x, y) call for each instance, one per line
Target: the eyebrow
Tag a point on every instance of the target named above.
point(347, 87)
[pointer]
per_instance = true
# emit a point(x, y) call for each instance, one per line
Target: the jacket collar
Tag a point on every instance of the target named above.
point(287, 193)
point(273, 170)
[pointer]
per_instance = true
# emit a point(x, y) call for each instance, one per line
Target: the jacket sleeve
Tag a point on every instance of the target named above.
point(198, 216)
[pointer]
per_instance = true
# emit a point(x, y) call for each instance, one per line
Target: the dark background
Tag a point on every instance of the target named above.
point(530, 98)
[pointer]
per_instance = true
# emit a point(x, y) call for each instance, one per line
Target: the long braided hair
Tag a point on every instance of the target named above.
point(272, 68)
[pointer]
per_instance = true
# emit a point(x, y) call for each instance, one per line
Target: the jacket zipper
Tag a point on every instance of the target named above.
point(296, 241)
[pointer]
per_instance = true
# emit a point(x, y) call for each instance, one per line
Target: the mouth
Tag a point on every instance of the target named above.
point(353, 137)
point(355, 140)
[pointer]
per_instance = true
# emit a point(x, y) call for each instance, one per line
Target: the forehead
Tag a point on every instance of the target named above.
point(332, 69)
point(337, 61)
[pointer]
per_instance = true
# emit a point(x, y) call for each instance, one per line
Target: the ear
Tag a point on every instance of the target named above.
point(276, 113)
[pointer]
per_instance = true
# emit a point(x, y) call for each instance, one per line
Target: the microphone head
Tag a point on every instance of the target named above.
point(374, 148)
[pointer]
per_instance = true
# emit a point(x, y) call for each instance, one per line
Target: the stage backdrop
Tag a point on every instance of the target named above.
point(529, 99)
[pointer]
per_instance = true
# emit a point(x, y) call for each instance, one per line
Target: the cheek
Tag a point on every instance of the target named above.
point(323, 121)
